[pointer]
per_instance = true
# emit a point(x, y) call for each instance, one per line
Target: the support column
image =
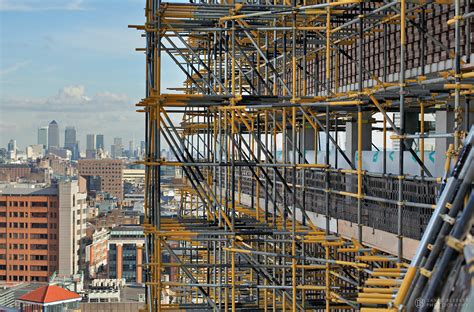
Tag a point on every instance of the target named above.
point(351, 136)
point(412, 125)
point(139, 263)
point(444, 124)
point(308, 143)
point(352, 146)
point(119, 260)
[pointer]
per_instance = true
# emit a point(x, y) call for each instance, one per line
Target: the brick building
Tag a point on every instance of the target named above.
point(33, 223)
point(25, 172)
point(109, 171)
point(96, 251)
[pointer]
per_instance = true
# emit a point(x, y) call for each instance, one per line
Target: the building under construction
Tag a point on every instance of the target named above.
point(325, 150)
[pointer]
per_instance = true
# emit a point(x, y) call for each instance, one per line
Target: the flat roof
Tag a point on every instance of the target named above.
point(44, 191)
point(21, 165)
point(126, 227)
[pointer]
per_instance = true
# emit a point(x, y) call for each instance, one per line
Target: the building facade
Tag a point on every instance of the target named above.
point(110, 173)
point(126, 253)
point(72, 227)
point(37, 237)
point(97, 252)
point(29, 235)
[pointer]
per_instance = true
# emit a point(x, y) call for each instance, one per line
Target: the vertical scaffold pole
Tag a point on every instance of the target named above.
point(402, 126)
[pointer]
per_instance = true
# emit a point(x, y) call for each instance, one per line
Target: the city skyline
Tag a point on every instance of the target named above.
point(80, 136)
point(59, 76)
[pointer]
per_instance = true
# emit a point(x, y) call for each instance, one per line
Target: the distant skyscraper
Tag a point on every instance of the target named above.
point(12, 145)
point(12, 149)
point(90, 142)
point(99, 142)
point(53, 134)
point(113, 154)
point(131, 149)
point(43, 136)
point(70, 142)
point(90, 146)
point(142, 149)
point(117, 149)
point(69, 136)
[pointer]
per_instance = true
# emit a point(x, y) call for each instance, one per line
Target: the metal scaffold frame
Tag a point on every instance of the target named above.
point(267, 81)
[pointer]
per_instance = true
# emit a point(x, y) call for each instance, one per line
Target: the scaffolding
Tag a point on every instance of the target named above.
point(267, 82)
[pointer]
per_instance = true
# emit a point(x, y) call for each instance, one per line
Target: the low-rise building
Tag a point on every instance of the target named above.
point(34, 151)
point(117, 217)
point(126, 253)
point(97, 252)
point(60, 152)
point(59, 167)
point(23, 172)
point(49, 298)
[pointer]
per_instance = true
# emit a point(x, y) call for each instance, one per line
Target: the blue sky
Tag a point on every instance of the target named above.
point(72, 61)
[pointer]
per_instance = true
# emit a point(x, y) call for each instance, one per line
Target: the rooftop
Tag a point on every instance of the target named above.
point(50, 294)
point(6, 166)
point(126, 227)
point(31, 191)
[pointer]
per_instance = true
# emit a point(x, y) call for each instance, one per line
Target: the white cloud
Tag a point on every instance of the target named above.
point(13, 68)
point(7, 126)
point(41, 5)
point(70, 99)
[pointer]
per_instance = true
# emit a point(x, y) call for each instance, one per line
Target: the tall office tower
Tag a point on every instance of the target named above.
point(131, 149)
point(53, 134)
point(99, 142)
point(12, 149)
point(90, 146)
point(90, 142)
point(142, 149)
point(12, 145)
point(43, 136)
point(70, 142)
point(117, 148)
point(117, 141)
point(69, 137)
